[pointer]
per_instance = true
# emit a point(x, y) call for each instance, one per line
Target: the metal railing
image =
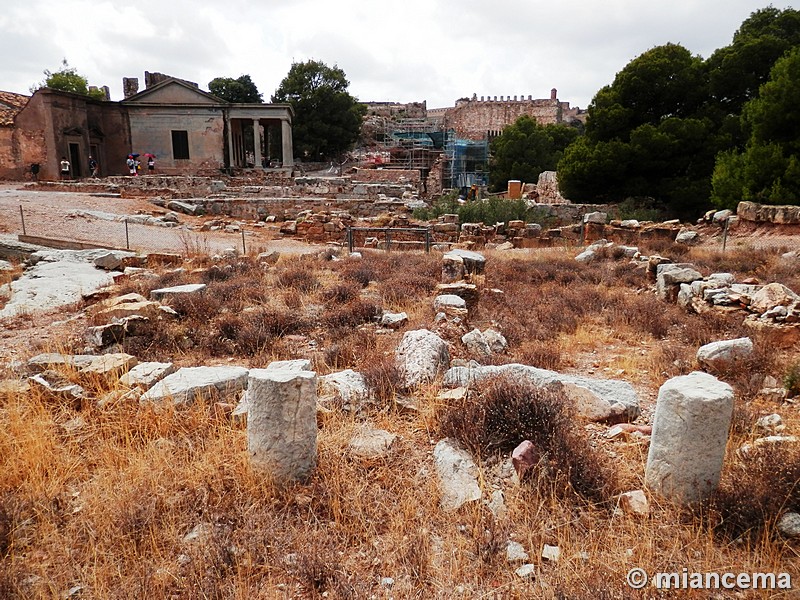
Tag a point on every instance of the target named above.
point(396, 235)
point(40, 226)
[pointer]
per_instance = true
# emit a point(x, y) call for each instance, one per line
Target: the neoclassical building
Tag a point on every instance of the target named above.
point(188, 130)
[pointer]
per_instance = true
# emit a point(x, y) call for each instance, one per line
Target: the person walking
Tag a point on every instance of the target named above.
point(151, 164)
point(65, 168)
point(93, 167)
point(131, 165)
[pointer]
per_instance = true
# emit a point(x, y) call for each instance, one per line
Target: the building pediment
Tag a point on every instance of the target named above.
point(173, 91)
point(73, 131)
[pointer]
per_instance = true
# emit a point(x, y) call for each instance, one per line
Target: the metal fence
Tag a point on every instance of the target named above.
point(79, 229)
point(386, 237)
point(732, 240)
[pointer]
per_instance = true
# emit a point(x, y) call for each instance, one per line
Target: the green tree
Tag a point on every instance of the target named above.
point(648, 134)
point(527, 148)
point(67, 79)
point(768, 170)
point(327, 118)
point(240, 90)
point(737, 71)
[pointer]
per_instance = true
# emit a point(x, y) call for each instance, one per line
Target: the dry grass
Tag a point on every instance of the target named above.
point(104, 498)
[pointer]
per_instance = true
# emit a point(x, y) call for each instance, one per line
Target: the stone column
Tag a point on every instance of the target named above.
point(286, 143)
point(282, 423)
point(690, 432)
point(257, 142)
point(231, 156)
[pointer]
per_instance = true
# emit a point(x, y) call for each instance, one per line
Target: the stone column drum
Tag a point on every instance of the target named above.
point(282, 423)
point(690, 432)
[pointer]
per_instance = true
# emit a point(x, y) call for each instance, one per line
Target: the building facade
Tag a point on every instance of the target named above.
point(186, 129)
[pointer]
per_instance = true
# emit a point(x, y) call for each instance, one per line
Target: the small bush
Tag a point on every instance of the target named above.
point(792, 380)
point(506, 412)
point(756, 491)
point(298, 278)
point(382, 377)
point(351, 314)
point(342, 293)
point(360, 272)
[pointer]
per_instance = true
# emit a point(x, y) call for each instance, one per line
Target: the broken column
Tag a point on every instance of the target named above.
point(690, 431)
point(282, 423)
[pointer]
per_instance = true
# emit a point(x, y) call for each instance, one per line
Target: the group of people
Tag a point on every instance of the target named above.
point(65, 167)
point(134, 165)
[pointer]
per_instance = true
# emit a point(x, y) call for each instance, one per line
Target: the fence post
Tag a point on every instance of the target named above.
point(427, 239)
point(388, 239)
point(725, 235)
point(22, 216)
point(350, 240)
point(127, 236)
point(244, 245)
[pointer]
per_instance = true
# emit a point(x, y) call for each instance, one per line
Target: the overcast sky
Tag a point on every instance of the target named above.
point(405, 51)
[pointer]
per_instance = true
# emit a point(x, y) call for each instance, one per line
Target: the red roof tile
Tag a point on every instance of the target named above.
point(10, 105)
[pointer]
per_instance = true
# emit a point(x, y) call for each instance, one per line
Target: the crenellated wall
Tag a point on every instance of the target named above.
point(479, 118)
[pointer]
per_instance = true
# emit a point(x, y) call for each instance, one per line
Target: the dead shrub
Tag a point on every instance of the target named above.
point(755, 491)
point(322, 576)
point(740, 262)
point(644, 312)
point(406, 286)
point(298, 278)
point(200, 306)
point(358, 271)
point(244, 266)
point(504, 412)
point(239, 292)
point(382, 377)
point(545, 354)
point(346, 347)
point(352, 314)
point(663, 247)
point(415, 556)
point(248, 334)
point(342, 293)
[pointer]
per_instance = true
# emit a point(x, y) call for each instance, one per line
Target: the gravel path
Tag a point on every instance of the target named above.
point(49, 214)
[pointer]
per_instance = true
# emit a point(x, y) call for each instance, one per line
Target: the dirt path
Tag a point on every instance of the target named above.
point(52, 214)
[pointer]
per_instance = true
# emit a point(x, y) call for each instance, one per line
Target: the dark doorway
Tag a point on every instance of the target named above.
point(75, 160)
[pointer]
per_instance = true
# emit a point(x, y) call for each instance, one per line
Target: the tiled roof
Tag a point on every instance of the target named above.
point(10, 105)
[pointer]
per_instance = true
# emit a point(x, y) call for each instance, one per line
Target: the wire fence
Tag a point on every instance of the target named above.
point(730, 239)
point(138, 233)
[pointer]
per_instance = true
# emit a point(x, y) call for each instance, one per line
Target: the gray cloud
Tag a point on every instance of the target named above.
point(422, 50)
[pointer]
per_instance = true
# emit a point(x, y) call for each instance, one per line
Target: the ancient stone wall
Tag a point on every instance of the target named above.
point(475, 119)
point(763, 213)
point(8, 166)
point(397, 110)
point(386, 175)
point(151, 131)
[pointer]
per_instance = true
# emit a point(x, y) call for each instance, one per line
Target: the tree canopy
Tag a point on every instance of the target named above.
point(658, 129)
point(327, 118)
point(527, 148)
point(768, 169)
point(239, 90)
point(67, 79)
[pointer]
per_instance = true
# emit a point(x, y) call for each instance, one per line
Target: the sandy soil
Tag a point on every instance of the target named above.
point(48, 214)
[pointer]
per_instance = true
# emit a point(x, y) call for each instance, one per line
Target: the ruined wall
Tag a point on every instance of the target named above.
point(109, 132)
point(473, 119)
point(151, 131)
point(386, 175)
point(52, 120)
point(8, 165)
point(764, 213)
point(397, 110)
